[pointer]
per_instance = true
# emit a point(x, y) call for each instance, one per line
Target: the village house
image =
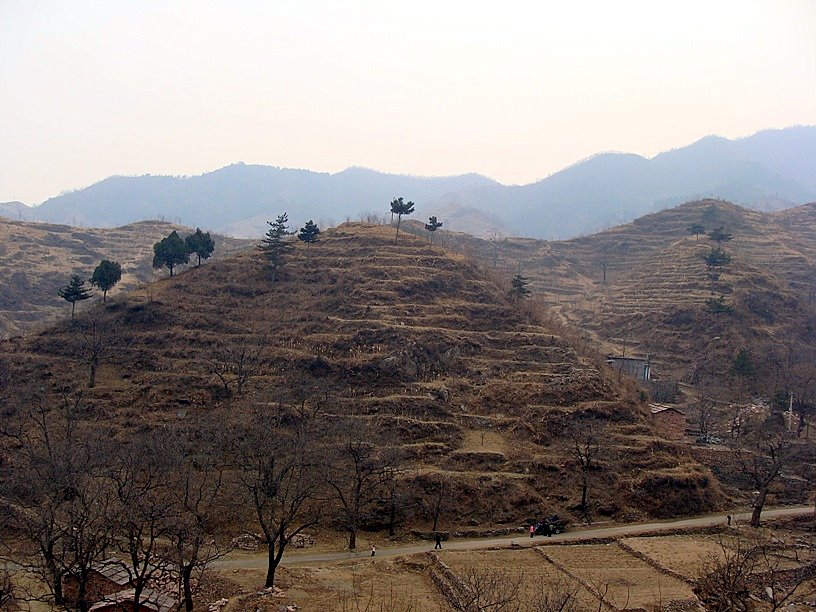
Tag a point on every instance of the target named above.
point(105, 577)
point(638, 368)
point(112, 589)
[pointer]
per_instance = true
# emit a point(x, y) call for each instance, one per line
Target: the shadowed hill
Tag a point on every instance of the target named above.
point(37, 259)
point(404, 337)
point(654, 299)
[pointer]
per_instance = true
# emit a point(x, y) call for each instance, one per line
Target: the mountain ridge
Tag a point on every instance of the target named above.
point(770, 170)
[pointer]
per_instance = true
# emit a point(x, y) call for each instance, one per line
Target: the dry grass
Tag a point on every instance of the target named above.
point(36, 259)
point(654, 297)
point(627, 581)
point(413, 340)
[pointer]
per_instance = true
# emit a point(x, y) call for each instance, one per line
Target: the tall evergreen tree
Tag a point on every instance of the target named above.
point(309, 234)
point(200, 244)
point(518, 287)
point(274, 245)
point(105, 276)
point(399, 208)
point(75, 291)
point(170, 252)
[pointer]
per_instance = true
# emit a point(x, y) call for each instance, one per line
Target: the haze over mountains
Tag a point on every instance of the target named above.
point(770, 170)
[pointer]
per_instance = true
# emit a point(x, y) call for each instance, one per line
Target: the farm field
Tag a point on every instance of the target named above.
point(624, 580)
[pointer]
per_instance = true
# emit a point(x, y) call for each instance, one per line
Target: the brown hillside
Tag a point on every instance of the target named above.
point(403, 336)
point(36, 259)
point(654, 297)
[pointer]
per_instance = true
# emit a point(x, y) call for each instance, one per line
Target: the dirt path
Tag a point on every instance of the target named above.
point(258, 560)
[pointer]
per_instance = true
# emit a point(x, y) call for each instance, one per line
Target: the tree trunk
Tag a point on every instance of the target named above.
point(104, 296)
point(353, 535)
point(270, 567)
point(399, 220)
point(392, 516)
point(94, 365)
point(73, 308)
point(758, 505)
point(186, 575)
point(171, 269)
point(584, 487)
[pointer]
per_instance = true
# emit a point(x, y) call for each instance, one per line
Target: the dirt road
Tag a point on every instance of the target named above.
point(258, 560)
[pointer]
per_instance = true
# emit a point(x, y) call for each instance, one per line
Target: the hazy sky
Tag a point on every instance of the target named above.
point(513, 90)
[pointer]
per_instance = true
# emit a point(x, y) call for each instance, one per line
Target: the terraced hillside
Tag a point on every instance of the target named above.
point(36, 259)
point(654, 297)
point(403, 337)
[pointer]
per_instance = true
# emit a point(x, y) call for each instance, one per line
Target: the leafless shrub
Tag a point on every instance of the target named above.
point(487, 590)
point(722, 585)
point(560, 596)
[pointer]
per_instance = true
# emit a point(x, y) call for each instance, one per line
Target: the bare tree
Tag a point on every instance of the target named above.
point(278, 472)
point(587, 436)
point(197, 489)
point(96, 344)
point(773, 571)
point(761, 453)
point(58, 499)
point(139, 472)
point(234, 363)
point(357, 472)
point(8, 591)
point(603, 261)
point(497, 241)
point(704, 411)
point(434, 503)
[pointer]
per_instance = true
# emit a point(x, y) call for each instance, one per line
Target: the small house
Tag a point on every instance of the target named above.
point(638, 368)
point(105, 577)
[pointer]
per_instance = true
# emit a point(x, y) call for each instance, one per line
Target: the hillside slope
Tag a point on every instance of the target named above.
point(403, 337)
point(37, 259)
point(654, 299)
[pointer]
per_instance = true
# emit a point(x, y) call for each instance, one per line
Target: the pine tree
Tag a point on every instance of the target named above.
point(695, 229)
point(274, 245)
point(399, 208)
point(743, 365)
point(432, 225)
point(200, 244)
point(309, 234)
point(519, 288)
point(75, 291)
point(170, 252)
point(105, 276)
point(719, 236)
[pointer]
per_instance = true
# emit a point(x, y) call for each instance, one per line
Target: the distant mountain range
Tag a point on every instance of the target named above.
point(770, 170)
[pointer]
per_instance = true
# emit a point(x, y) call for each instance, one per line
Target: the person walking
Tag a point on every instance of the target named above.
point(373, 550)
point(438, 540)
point(532, 531)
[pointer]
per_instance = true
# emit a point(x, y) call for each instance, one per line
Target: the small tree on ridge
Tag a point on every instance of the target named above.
point(399, 208)
point(105, 276)
point(200, 244)
point(75, 291)
point(309, 234)
point(274, 245)
point(170, 252)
